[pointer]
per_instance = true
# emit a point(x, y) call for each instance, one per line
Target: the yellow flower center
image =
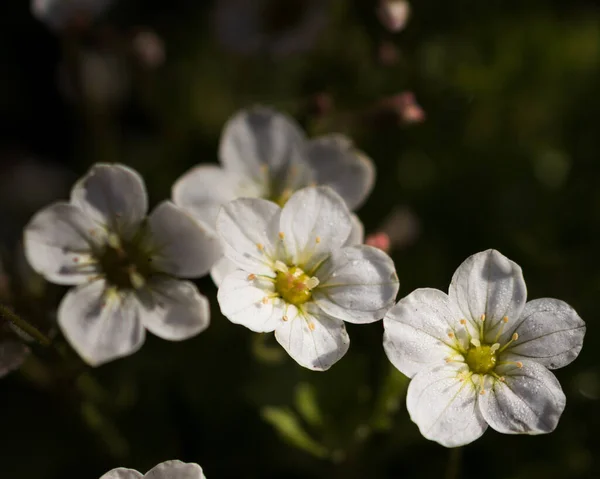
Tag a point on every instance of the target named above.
point(294, 285)
point(481, 359)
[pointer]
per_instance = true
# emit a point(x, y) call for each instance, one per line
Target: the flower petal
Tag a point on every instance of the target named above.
point(491, 284)
point(175, 470)
point(445, 408)
point(357, 284)
point(313, 339)
point(172, 309)
point(550, 332)
point(357, 233)
point(420, 331)
point(247, 228)
point(221, 269)
point(528, 401)
point(261, 144)
point(315, 222)
point(100, 324)
point(122, 473)
point(58, 244)
point(204, 189)
point(114, 196)
point(184, 247)
point(337, 164)
point(241, 300)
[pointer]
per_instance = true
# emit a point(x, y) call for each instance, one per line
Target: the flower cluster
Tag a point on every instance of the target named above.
point(273, 225)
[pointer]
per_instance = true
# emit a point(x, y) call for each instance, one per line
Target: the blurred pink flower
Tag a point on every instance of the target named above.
point(393, 14)
point(379, 240)
point(148, 48)
point(407, 108)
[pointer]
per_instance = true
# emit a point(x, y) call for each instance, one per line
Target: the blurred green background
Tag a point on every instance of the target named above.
point(507, 158)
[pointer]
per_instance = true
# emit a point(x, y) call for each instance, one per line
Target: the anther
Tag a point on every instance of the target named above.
point(482, 392)
point(251, 276)
point(76, 260)
point(318, 239)
point(281, 235)
point(451, 335)
point(483, 317)
point(515, 336)
point(265, 300)
point(311, 326)
point(505, 319)
point(285, 318)
point(463, 321)
point(260, 246)
point(519, 364)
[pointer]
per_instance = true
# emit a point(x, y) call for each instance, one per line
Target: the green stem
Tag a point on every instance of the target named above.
point(8, 315)
point(453, 468)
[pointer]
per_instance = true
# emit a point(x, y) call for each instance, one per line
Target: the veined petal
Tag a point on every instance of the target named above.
point(528, 401)
point(315, 221)
point(313, 339)
point(113, 196)
point(491, 284)
point(122, 473)
point(550, 333)
point(183, 247)
point(221, 269)
point(420, 331)
point(445, 408)
point(175, 470)
point(357, 284)
point(261, 144)
point(173, 309)
point(357, 233)
point(100, 324)
point(245, 299)
point(204, 189)
point(248, 228)
point(59, 243)
point(337, 164)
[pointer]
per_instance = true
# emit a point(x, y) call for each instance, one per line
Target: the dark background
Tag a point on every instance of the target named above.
point(507, 158)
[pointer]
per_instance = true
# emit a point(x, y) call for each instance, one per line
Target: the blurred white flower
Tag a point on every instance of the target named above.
point(123, 263)
point(265, 155)
point(480, 355)
point(270, 26)
point(393, 14)
point(149, 49)
point(297, 275)
point(165, 470)
point(57, 14)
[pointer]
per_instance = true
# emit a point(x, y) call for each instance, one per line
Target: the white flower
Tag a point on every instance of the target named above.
point(265, 155)
point(165, 470)
point(58, 13)
point(123, 264)
point(480, 355)
point(394, 14)
point(297, 276)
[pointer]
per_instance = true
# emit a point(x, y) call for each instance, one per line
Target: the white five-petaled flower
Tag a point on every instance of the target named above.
point(123, 264)
point(298, 277)
point(58, 13)
point(481, 355)
point(165, 470)
point(264, 154)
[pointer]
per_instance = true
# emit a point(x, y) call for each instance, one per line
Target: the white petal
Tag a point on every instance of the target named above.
point(122, 473)
point(184, 247)
point(58, 244)
point(260, 143)
point(247, 228)
point(550, 333)
point(175, 470)
point(491, 284)
point(114, 196)
point(99, 325)
point(420, 330)
point(444, 408)
point(529, 401)
point(337, 164)
point(357, 234)
point(313, 339)
point(315, 222)
point(241, 301)
point(221, 269)
point(172, 309)
point(357, 284)
point(204, 189)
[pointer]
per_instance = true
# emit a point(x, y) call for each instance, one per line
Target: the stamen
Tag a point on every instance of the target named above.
point(312, 283)
point(463, 322)
point(451, 335)
point(494, 347)
point(482, 392)
point(265, 300)
point(281, 267)
point(475, 342)
point(514, 337)
point(318, 239)
point(251, 277)
point(504, 321)
point(483, 317)
point(260, 246)
point(281, 235)
point(311, 326)
point(481, 326)
point(284, 317)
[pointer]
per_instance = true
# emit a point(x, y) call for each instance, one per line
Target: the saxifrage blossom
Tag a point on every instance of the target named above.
point(165, 470)
point(264, 154)
point(297, 276)
point(480, 355)
point(123, 263)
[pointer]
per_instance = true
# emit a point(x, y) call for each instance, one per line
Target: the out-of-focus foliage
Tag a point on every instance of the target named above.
point(507, 157)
